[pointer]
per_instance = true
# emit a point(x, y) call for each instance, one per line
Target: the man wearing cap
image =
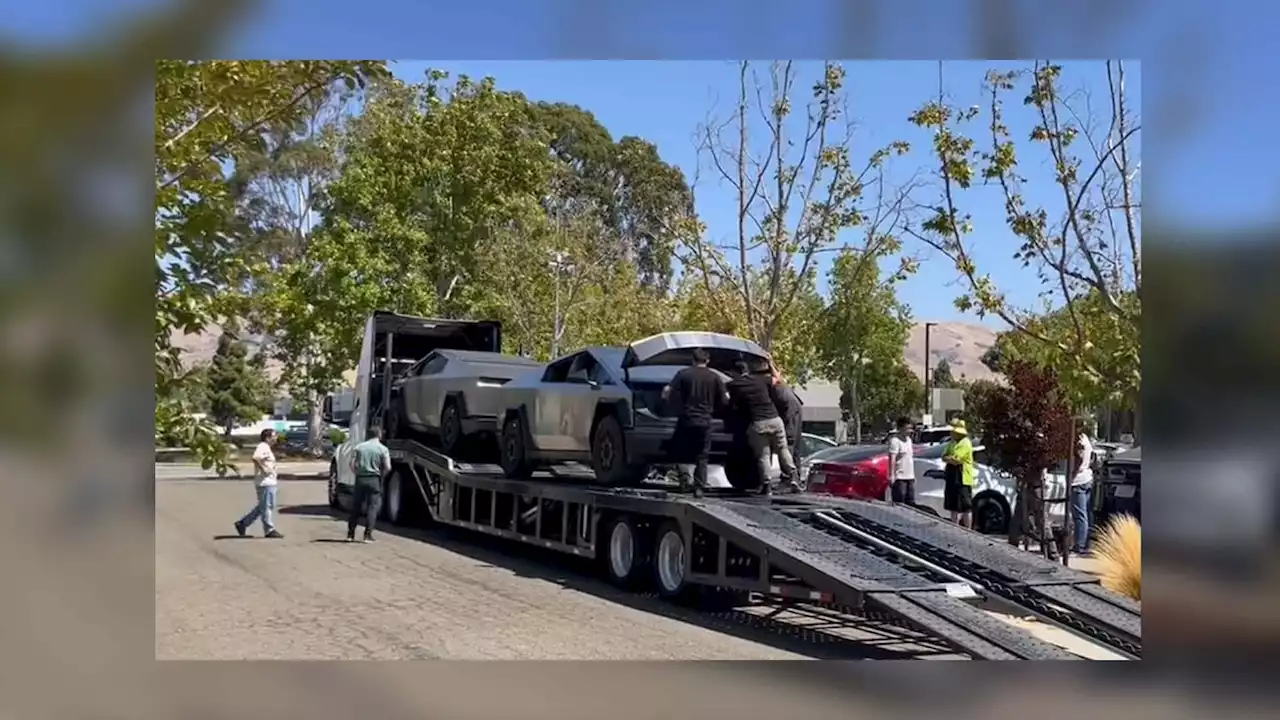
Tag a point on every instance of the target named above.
point(957, 494)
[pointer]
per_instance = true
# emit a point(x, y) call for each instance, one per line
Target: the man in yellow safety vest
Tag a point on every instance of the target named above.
point(957, 495)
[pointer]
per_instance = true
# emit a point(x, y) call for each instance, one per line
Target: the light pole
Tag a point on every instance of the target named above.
point(559, 263)
point(928, 395)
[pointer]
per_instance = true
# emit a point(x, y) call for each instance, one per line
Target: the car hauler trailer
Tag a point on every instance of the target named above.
point(890, 562)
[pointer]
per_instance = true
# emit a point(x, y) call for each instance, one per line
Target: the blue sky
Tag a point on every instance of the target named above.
point(666, 101)
point(1216, 159)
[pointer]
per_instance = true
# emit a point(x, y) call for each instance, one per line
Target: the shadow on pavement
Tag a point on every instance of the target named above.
point(234, 537)
point(582, 575)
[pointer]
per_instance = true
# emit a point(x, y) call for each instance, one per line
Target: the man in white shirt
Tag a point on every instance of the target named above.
point(264, 476)
point(1082, 489)
point(902, 469)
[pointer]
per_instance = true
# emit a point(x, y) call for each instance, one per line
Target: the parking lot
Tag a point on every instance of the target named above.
point(419, 594)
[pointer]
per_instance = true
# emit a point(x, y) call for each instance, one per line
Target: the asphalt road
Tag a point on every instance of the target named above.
point(419, 594)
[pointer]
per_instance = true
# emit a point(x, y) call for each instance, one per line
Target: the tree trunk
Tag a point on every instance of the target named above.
point(855, 412)
point(315, 409)
point(1026, 517)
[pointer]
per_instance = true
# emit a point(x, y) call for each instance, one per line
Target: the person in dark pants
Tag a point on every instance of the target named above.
point(697, 394)
point(753, 399)
point(370, 461)
point(791, 408)
point(961, 476)
point(902, 464)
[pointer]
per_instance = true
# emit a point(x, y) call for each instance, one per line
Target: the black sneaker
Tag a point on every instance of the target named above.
point(351, 537)
point(368, 539)
point(240, 529)
point(273, 534)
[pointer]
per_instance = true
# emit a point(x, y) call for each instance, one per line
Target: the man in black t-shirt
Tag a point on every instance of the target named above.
point(754, 400)
point(791, 408)
point(697, 393)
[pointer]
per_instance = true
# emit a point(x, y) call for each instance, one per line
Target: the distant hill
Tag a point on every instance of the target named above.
point(200, 348)
point(961, 344)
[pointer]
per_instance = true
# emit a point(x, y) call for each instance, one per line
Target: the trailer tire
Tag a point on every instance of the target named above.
point(625, 554)
point(512, 453)
point(395, 508)
point(669, 560)
point(333, 486)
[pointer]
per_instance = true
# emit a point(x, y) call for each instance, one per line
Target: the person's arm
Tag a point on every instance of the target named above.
point(386, 461)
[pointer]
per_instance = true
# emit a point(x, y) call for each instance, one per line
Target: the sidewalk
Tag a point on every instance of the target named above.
point(293, 470)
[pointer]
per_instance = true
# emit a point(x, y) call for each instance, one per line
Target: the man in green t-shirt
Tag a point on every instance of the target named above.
point(370, 461)
point(957, 493)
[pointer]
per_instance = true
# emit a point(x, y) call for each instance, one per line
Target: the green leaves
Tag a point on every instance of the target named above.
point(863, 331)
point(1085, 248)
point(238, 389)
point(209, 114)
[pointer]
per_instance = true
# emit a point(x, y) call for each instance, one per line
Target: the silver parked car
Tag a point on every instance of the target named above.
point(454, 395)
point(604, 406)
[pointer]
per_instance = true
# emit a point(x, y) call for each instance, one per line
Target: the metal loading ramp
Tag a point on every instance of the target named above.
point(1063, 596)
point(867, 579)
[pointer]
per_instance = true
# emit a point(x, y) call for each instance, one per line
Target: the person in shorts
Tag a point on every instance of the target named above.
point(957, 494)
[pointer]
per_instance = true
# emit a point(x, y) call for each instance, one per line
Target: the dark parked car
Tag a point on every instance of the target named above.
point(604, 405)
point(1121, 486)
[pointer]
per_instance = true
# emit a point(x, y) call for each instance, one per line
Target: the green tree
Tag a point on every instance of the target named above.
point(238, 389)
point(431, 177)
point(941, 376)
point(1085, 247)
point(643, 202)
point(208, 114)
point(279, 187)
point(978, 396)
point(795, 194)
point(194, 388)
point(889, 390)
point(863, 325)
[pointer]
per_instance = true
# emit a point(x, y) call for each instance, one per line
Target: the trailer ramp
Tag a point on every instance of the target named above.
point(1064, 596)
point(859, 577)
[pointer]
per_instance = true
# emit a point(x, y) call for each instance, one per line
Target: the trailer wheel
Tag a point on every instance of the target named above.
point(393, 499)
point(333, 485)
point(669, 563)
point(625, 554)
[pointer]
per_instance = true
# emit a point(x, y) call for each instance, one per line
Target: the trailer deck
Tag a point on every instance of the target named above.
point(865, 558)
